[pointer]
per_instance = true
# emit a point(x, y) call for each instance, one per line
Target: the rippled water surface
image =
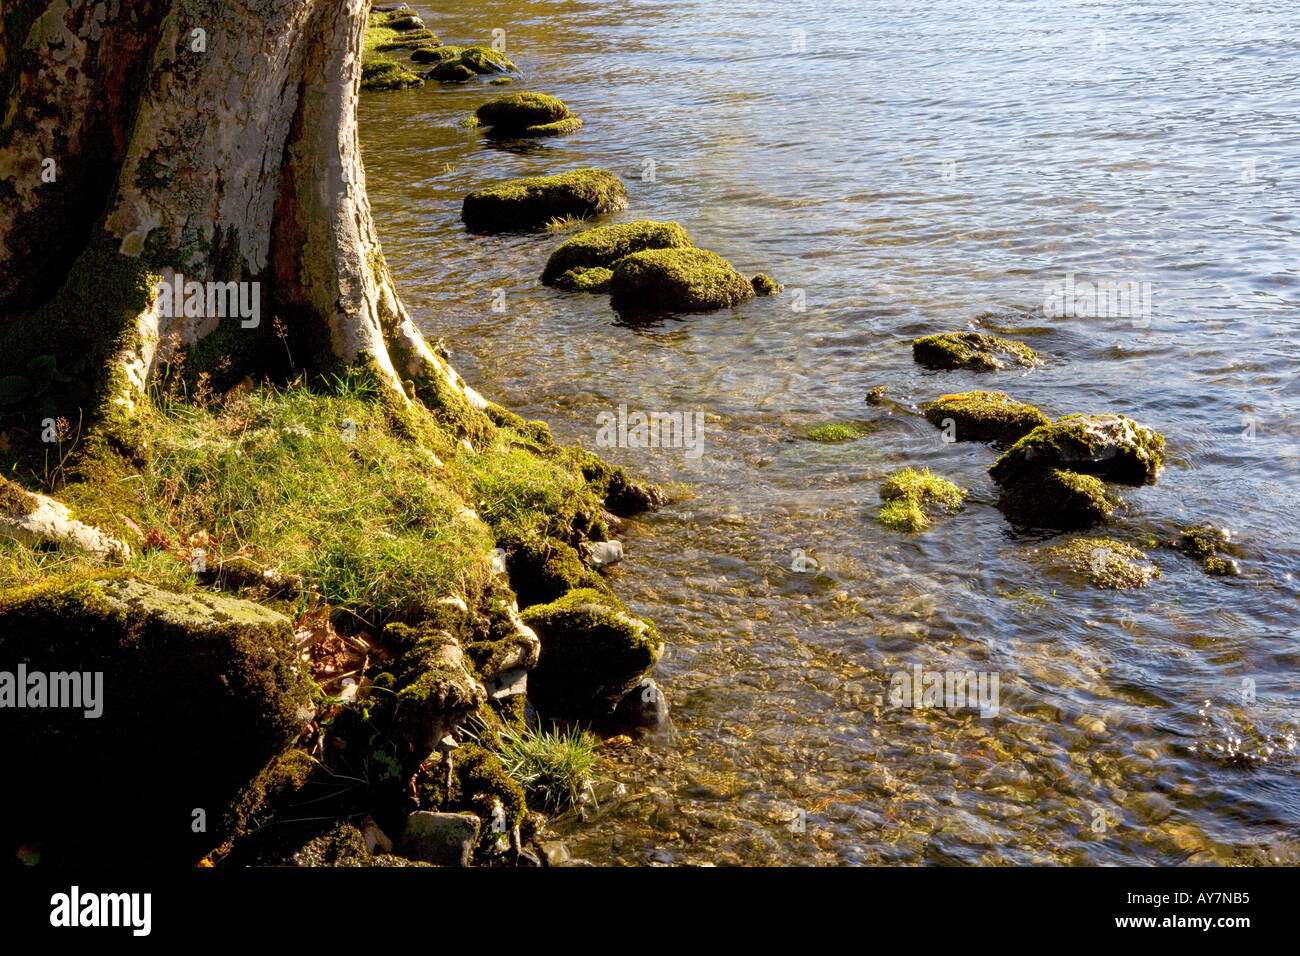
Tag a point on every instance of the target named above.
point(913, 168)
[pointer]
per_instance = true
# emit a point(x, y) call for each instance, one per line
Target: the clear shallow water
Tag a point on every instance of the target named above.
point(915, 167)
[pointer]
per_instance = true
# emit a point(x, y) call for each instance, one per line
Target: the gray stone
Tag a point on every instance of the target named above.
point(644, 706)
point(446, 839)
point(603, 554)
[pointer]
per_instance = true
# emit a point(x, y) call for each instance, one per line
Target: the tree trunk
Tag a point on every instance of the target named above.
point(142, 139)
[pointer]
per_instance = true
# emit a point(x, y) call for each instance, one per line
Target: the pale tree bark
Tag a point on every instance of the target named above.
point(213, 139)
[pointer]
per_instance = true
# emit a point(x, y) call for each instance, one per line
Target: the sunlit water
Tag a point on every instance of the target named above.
point(913, 167)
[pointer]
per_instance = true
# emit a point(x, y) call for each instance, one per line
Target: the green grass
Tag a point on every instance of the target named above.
point(328, 485)
point(555, 767)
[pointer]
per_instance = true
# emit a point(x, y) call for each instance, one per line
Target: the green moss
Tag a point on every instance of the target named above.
point(1058, 500)
point(542, 570)
point(1112, 447)
point(593, 652)
point(676, 280)
point(531, 202)
point(605, 245)
point(570, 124)
point(458, 64)
point(586, 280)
point(386, 75)
point(833, 432)
point(15, 501)
point(971, 350)
point(436, 54)
point(1220, 567)
point(501, 80)
point(1106, 563)
point(480, 784)
point(765, 285)
point(985, 416)
point(520, 110)
point(911, 497)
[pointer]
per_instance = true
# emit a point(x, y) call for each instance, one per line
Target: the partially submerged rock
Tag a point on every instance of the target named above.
point(764, 284)
point(458, 64)
point(387, 75)
point(196, 693)
point(832, 433)
point(676, 280)
point(984, 417)
point(527, 114)
point(912, 497)
point(971, 350)
point(1207, 543)
point(1057, 500)
point(1111, 447)
point(593, 652)
point(603, 246)
point(1105, 562)
point(594, 280)
point(531, 202)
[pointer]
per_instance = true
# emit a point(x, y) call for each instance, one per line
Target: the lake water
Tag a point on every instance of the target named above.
point(905, 169)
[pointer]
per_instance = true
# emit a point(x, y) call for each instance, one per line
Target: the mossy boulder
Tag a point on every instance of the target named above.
point(1057, 500)
point(1112, 447)
point(435, 684)
point(199, 692)
point(1208, 544)
point(542, 570)
point(605, 245)
point(911, 499)
point(526, 114)
point(765, 285)
point(971, 350)
point(457, 64)
point(586, 280)
point(984, 416)
point(832, 433)
point(479, 784)
point(382, 74)
point(531, 202)
point(593, 652)
point(1107, 563)
point(676, 280)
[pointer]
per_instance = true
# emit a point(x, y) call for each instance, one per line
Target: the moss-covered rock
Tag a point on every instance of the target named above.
point(1105, 562)
point(676, 280)
point(593, 652)
point(912, 497)
point(984, 416)
point(198, 693)
point(1057, 500)
point(1111, 447)
point(605, 245)
point(561, 127)
point(832, 433)
point(542, 570)
point(513, 114)
point(435, 684)
point(971, 350)
point(387, 75)
point(457, 64)
point(586, 280)
point(765, 285)
point(479, 784)
point(1208, 544)
point(531, 202)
